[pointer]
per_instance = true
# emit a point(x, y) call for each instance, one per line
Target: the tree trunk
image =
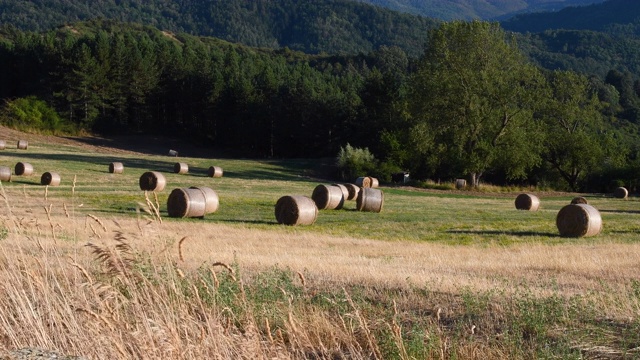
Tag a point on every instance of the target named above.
point(474, 179)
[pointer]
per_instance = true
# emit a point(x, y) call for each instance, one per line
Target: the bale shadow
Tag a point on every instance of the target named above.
point(496, 232)
point(619, 211)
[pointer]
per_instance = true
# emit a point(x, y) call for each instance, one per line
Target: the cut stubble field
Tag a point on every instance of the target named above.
point(455, 248)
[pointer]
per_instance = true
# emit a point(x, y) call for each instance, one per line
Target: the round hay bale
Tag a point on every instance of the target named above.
point(578, 220)
point(328, 197)
point(5, 173)
point(461, 184)
point(579, 200)
point(189, 202)
point(296, 210)
point(23, 169)
point(116, 168)
point(343, 188)
point(50, 178)
point(215, 172)
point(353, 191)
point(370, 199)
point(374, 182)
point(3, 144)
point(527, 202)
point(23, 144)
point(211, 200)
point(152, 181)
point(621, 193)
point(364, 181)
point(180, 168)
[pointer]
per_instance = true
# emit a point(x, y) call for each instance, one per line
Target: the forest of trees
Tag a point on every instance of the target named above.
point(558, 128)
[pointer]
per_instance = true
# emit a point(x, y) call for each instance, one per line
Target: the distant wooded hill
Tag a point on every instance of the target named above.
point(620, 17)
point(476, 9)
point(330, 26)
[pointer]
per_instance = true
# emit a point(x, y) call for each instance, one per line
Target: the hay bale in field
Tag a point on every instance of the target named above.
point(353, 191)
point(180, 168)
point(461, 184)
point(23, 169)
point(578, 220)
point(343, 188)
point(3, 144)
point(621, 193)
point(211, 199)
point(370, 199)
point(23, 144)
point(5, 173)
point(364, 182)
point(50, 179)
point(173, 153)
point(152, 181)
point(215, 172)
point(296, 210)
point(527, 202)
point(579, 200)
point(328, 197)
point(116, 168)
point(374, 182)
point(192, 202)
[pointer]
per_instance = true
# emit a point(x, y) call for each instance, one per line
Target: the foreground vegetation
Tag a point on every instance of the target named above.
point(92, 270)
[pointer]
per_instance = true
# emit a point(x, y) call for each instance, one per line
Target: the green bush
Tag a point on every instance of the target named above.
point(354, 162)
point(32, 114)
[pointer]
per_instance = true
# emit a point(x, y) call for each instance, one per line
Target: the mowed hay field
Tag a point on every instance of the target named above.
point(89, 268)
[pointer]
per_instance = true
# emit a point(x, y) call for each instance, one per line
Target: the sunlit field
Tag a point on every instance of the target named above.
point(90, 268)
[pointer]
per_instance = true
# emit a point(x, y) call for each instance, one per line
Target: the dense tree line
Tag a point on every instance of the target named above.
point(472, 104)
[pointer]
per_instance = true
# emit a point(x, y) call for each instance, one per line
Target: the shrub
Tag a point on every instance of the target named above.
point(32, 114)
point(353, 162)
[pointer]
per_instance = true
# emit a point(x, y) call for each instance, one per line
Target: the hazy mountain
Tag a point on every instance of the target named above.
point(476, 9)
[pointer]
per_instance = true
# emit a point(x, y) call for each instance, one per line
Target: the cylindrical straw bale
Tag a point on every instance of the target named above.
point(364, 181)
point(180, 168)
point(578, 220)
point(461, 184)
point(621, 193)
point(296, 210)
point(152, 181)
point(215, 171)
point(23, 168)
point(328, 197)
point(189, 202)
point(374, 182)
point(116, 168)
point(3, 144)
point(353, 191)
point(345, 191)
point(579, 200)
point(50, 178)
point(527, 202)
point(5, 173)
point(370, 199)
point(211, 200)
point(23, 144)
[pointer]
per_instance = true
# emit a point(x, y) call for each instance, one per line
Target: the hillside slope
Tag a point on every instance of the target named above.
point(476, 9)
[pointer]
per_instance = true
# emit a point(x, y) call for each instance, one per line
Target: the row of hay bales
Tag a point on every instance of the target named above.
point(26, 169)
point(178, 168)
point(303, 210)
point(22, 144)
point(577, 219)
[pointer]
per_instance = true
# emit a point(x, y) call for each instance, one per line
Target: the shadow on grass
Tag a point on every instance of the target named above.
point(619, 211)
point(496, 232)
point(287, 170)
